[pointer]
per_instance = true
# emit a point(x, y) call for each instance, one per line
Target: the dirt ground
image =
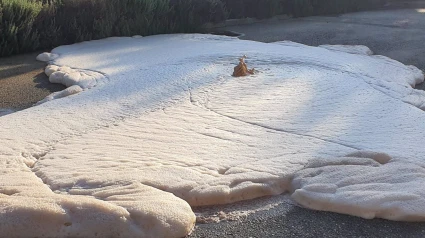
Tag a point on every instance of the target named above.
point(23, 82)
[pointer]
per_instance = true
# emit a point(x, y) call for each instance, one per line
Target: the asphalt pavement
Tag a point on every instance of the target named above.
point(290, 221)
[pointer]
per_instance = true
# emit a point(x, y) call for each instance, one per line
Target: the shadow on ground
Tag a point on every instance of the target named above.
point(420, 86)
point(23, 82)
point(42, 81)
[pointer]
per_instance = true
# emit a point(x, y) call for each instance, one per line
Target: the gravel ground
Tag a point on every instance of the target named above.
point(287, 220)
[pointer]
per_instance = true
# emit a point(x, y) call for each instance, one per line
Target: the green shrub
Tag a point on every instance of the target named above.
point(301, 8)
point(80, 20)
point(321, 7)
point(129, 17)
point(16, 21)
point(190, 15)
point(255, 8)
point(46, 27)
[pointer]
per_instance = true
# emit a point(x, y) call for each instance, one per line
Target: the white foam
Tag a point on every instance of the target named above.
point(391, 191)
point(351, 49)
point(169, 126)
point(45, 57)
point(64, 93)
point(70, 77)
point(75, 79)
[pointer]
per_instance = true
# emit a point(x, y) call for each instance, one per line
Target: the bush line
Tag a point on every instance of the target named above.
point(29, 25)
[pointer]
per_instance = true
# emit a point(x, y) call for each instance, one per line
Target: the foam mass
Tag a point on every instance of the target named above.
point(167, 127)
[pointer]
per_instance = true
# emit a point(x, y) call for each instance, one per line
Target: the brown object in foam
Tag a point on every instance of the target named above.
point(241, 69)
